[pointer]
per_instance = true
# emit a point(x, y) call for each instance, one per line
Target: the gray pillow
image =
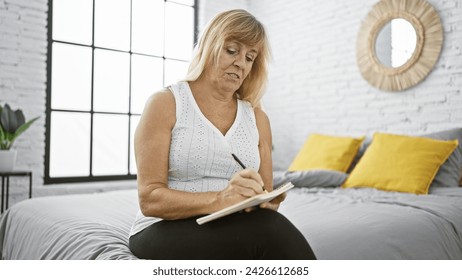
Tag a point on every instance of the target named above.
point(362, 149)
point(449, 173)
point(311, 178)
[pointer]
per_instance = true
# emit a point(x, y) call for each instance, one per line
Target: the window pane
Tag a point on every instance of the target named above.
point(112, 24)
point(110, 144)
point(71, 77)
point(179, 34)
point(147, 78)
point(137, 48)
point(69, 144)
point(111, 85)
point(174, 71)
point(148, 27)
point(184, 2)
point(134, 120)
point(72, 21)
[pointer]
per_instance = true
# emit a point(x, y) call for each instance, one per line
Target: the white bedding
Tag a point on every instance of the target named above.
point(83, 226)
point(366, 223)
point(339, 224)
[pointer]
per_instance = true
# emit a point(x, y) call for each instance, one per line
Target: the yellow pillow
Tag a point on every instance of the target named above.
point(400, 163)
point(326, 152)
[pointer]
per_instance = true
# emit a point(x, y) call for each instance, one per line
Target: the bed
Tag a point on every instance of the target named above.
point(371, 224)
point(79, 227)
point(339, 223)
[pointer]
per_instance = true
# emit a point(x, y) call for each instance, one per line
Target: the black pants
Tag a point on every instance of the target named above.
point(260, 234)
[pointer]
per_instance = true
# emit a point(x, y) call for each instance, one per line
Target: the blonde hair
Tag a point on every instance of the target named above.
point(234, 25)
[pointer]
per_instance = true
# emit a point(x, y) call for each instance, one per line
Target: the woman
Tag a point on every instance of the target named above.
point(184, 144)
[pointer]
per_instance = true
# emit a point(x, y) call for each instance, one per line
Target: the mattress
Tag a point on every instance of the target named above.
point(341, 224)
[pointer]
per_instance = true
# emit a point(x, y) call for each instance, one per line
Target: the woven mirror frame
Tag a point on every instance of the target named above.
point(429, 41)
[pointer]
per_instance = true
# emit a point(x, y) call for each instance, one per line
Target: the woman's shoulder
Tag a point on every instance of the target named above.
point(260, 116)
point(163, 95)
point(160, 104)
point(161, 98)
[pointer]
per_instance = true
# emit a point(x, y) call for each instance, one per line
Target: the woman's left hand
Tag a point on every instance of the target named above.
point(274, 203)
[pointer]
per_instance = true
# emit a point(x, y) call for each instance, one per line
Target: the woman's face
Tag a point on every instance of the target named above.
point(234, 64)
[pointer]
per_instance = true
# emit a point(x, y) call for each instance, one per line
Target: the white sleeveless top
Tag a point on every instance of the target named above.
point(200, 155)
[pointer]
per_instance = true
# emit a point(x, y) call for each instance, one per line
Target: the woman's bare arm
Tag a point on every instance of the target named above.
point(266, 166)
point(152, 146)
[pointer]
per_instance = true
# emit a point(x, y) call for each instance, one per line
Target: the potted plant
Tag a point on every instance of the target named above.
point(12, 124)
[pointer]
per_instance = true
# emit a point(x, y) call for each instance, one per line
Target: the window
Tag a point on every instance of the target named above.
point(105, 57)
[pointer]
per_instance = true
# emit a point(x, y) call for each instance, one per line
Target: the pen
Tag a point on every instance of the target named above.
point(243, 166)
point(238, 161)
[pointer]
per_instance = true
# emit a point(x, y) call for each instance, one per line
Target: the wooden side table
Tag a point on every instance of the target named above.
point(6, 183)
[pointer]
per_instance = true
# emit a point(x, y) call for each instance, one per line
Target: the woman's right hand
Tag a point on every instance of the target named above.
point(244, 184)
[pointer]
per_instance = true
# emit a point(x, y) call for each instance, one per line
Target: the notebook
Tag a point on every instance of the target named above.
point(250, 202)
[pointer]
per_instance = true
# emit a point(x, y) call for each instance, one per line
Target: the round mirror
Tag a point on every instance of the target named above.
point(398, 43)
point(395, 43)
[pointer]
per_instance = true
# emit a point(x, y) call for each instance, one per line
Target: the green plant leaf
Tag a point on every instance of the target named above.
point(20, 119)
point(8, 119)
point(3, 141)
point(2, 112)
point(12, 124)
point(9, 139)
point(23, 128)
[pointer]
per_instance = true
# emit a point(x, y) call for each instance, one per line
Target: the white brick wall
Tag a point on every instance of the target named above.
point(23, 48)
point(315, 85)
point(207, 9)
